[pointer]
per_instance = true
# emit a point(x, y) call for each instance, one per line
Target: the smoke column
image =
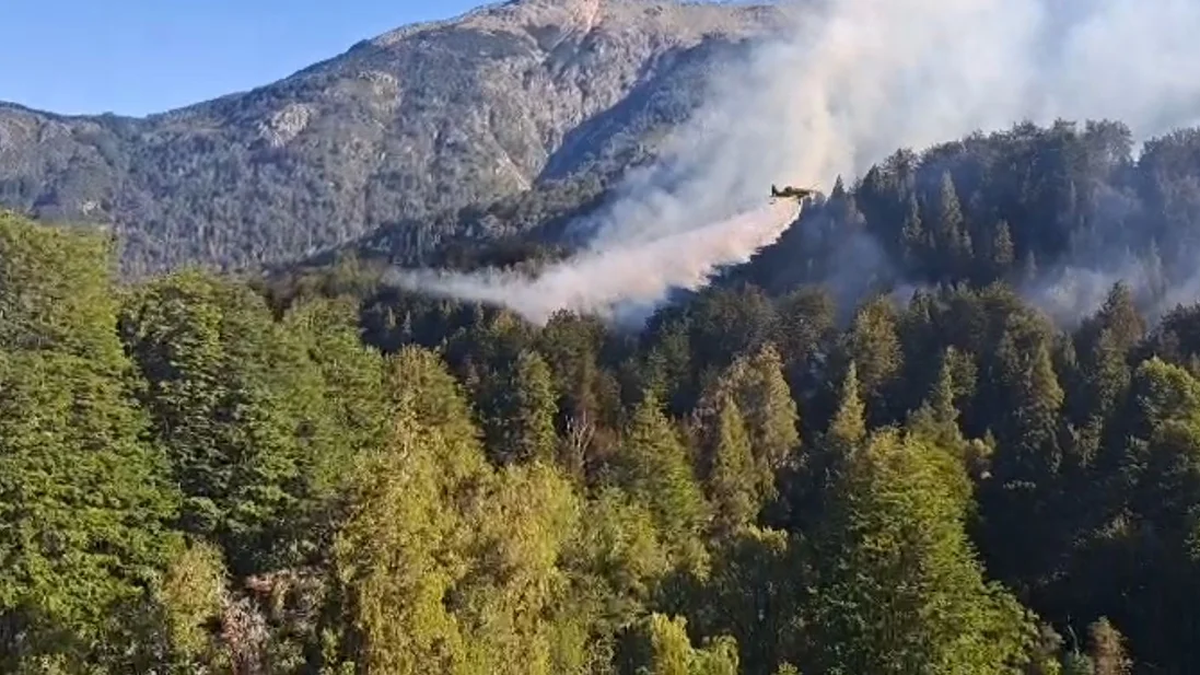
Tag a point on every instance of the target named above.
point(841, 85)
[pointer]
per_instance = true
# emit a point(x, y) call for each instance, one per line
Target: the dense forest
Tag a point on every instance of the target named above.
point(318, 473)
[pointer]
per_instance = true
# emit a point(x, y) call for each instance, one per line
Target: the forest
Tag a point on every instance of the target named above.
point(315, 472)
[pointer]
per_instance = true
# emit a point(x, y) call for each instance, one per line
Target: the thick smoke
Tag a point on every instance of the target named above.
point(842, 85)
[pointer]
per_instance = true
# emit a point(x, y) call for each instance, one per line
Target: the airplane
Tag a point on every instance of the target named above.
point(789, 192)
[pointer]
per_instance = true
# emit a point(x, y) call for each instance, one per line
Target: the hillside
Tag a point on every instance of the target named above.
point(778, 473)
point(424, 120)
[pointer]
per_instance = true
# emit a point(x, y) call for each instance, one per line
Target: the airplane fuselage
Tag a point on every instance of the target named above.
point(789, 192)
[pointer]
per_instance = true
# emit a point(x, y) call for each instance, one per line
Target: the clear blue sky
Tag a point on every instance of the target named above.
point(135, 57)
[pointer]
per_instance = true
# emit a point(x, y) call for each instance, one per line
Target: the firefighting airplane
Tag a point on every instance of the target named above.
point(789, 192)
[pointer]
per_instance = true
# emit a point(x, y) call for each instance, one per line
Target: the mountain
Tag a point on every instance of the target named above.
point(401, 129)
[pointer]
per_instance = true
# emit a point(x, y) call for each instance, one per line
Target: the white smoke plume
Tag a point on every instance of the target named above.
point(604, 280)
point(843, 84)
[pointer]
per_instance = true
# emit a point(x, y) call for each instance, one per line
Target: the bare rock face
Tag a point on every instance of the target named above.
point(418, 121)
point(286, 124)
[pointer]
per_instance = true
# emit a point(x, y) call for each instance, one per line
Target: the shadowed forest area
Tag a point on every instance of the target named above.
point(882, 446)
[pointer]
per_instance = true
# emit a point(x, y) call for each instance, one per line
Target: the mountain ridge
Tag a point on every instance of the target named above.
point(422, 120)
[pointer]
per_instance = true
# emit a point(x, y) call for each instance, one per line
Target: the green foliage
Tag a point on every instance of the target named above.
point(731, 481)
point(752, 594)
point(244, 412)
point(756, 386)
point(319, 473)
point(653, 466)
point(192, 596)
point(400, 553)
point(83, 496)
point(528, 411)
point(670, 651)
point(848, 426)
point(442, 562)
point(898, 589)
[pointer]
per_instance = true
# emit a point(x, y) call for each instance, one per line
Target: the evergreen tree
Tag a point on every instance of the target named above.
point(757, 387)
point(751, 594)
point(397, 559)
point(528, 410)
point(1003, 249)
point(84, 497)
point(236, 400)
point(951, 229)
point(771, 415)
point(653, 467)
point(914, 239)
point(732, 480)
point(191, 597)
point(848, 427)
point(898, 587)
point(873, 343)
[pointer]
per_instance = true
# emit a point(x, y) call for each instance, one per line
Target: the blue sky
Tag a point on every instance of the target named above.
point(135, 57)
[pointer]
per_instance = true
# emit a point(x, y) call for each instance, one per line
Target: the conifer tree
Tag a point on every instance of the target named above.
point(732, 483)
point(873, 343)
point(653, 467)
point(232, 395)
point(951, 229)
point(771, 415)
point(396, 559)
point(757, 387)
point(914, 239)
point(848, 427)
point(899, 589)
point(1003, 249)
point(528, 409)
point(84, 498)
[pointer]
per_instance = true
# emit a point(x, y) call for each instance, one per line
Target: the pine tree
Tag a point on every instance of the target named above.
point(848, 427)
point(951, 228)
point(936, 424)
point(771, 415)
point(899, 590)
point(528, 410)
point(1003, 249)
point(758, 388)
point(1120, 315)
point(653, 467)
point(732, 482)
point(914, 240)
point(873, 343)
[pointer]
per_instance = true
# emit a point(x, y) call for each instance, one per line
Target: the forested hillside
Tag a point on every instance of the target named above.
point(321, 474)
point(411, 126)
point(1059, 212)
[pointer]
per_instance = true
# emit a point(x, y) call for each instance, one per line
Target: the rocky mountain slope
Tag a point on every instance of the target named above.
point(418, 122)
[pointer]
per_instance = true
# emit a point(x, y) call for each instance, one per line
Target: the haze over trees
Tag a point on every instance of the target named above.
point(783, 473)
